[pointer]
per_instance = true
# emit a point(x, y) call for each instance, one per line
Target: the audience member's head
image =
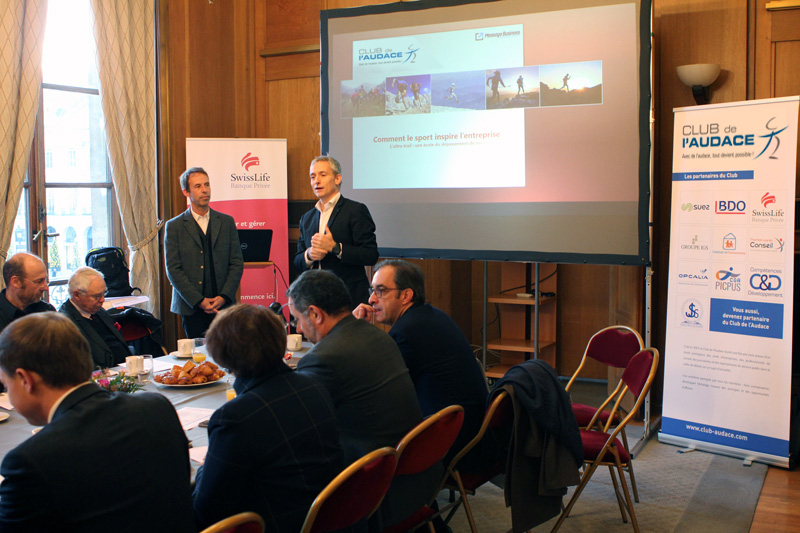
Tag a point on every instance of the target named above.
point(248, 340)
point(87, 289)
point(25, 276)
point(397, 285)
point(318, 299)
point(41, 355)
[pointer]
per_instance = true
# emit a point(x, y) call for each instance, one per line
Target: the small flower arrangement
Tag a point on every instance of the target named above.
point(119, 382)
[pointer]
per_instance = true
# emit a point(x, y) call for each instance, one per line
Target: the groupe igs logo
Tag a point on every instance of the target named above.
point(250, 160)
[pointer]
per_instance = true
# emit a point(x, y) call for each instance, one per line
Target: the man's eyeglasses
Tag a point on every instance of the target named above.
point(381, 291)
point(95, 296)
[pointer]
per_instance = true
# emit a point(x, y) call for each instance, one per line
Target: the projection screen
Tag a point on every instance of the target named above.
point(494, 130)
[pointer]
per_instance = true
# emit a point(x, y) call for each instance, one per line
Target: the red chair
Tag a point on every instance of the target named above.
point(354, 494)
point(420, 449)
point(614, 347)
point(601, 448)
point(238, 523)
point(466, 480)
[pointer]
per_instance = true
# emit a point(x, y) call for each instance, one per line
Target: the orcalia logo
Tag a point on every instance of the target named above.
point(767, 199)
point(250, 160)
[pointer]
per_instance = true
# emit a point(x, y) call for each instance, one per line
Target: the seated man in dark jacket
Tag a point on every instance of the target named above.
point(275, 446)
point(438, 355)
point(103, 461)
point(87, 291)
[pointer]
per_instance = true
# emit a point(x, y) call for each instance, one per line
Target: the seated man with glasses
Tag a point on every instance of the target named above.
point(25, 277)
point(439, 357)
point(87, 291)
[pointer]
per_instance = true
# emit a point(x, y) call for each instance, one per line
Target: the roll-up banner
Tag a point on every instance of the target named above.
point(248, 182)
point(728, 352)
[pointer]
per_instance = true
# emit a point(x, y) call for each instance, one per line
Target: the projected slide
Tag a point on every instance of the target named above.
point(519, 119)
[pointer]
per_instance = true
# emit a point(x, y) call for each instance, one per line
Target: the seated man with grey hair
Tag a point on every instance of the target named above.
point(87, 290)
point(103, 461)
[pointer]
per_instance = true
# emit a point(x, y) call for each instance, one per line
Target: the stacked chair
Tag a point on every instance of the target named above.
point(238, 523)
point(614, 347)
point(601, 443)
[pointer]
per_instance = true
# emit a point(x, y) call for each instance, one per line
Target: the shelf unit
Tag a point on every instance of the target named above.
point(525, 323)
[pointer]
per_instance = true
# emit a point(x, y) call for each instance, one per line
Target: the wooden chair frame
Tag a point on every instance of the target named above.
point(586, 356)
point(233, 524)
point(611, 448)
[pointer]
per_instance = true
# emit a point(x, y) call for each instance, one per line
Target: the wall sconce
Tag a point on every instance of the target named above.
point(699, 77)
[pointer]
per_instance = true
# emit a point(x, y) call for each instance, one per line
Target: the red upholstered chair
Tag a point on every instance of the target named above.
point(238, 523)
point(420, 449)
point(354, 494)
point(466, 480)
point(613, 346)
point(601, 448)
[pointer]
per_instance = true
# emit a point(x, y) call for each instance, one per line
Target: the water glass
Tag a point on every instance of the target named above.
point(146, 372)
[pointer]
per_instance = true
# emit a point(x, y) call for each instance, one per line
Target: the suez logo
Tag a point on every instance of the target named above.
point(689, 207)
point(730, 207)
point(728, 280)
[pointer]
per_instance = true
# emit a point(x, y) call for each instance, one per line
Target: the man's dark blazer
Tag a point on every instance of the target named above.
point(375, 403)
point(106, 462)
point(184, 259)
point(442, 366)
point(272, 449)
point(9, 313)
point(352, 226)
point(101, 353)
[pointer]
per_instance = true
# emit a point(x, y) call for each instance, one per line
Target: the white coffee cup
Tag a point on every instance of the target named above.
point(134, 364)
point(294, 342)
point(185, 346)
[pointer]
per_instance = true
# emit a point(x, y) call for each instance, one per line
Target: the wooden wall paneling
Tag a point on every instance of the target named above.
point(292, 23)
point(583, 299)
point(701, 31)
point(294, 116)
point(245, 60)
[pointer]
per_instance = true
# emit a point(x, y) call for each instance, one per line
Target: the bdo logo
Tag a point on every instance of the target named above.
point(730, 207)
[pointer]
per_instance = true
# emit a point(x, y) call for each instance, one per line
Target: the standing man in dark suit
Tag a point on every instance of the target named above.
point(87, 291)
point(203, 256)
point(338, 234)
point(439, 357)
point(362, 369)
point(64, 478)
point(274, 447)
point(25, 277)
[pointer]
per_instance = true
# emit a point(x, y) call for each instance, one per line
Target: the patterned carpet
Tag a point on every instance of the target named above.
point(687, 492)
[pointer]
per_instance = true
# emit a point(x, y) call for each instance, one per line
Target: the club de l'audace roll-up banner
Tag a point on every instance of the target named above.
point(248, 182)
point(728, 351)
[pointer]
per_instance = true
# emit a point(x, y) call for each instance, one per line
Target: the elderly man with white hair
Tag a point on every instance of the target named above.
point(87, 290)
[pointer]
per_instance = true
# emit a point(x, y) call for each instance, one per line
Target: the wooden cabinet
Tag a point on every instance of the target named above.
point(524, 321)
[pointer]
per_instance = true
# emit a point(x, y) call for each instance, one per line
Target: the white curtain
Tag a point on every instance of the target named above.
point(22, 24)
point(125, 34)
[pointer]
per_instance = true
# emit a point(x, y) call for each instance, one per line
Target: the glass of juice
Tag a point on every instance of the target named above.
point(199, 350)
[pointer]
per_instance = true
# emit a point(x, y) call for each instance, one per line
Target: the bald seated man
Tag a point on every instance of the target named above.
point(25, 277)
point(87, 290)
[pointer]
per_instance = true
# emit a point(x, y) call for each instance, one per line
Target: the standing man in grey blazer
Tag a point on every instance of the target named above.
point(203, 255)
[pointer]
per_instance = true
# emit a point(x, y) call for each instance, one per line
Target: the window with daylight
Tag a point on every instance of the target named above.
point(68, 204)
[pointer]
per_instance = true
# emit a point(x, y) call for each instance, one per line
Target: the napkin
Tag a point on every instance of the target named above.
point(5, 403)
point(190, 417)
point(198, 454)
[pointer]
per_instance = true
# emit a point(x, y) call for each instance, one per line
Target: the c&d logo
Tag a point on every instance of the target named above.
point(765, 282)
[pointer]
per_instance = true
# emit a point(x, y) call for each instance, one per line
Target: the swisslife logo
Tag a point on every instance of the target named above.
point(249, 160)
point(770, 209)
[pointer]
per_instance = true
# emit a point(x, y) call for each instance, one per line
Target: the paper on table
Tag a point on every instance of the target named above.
point(190, 417)
point(198, 454)
point(5, 403)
